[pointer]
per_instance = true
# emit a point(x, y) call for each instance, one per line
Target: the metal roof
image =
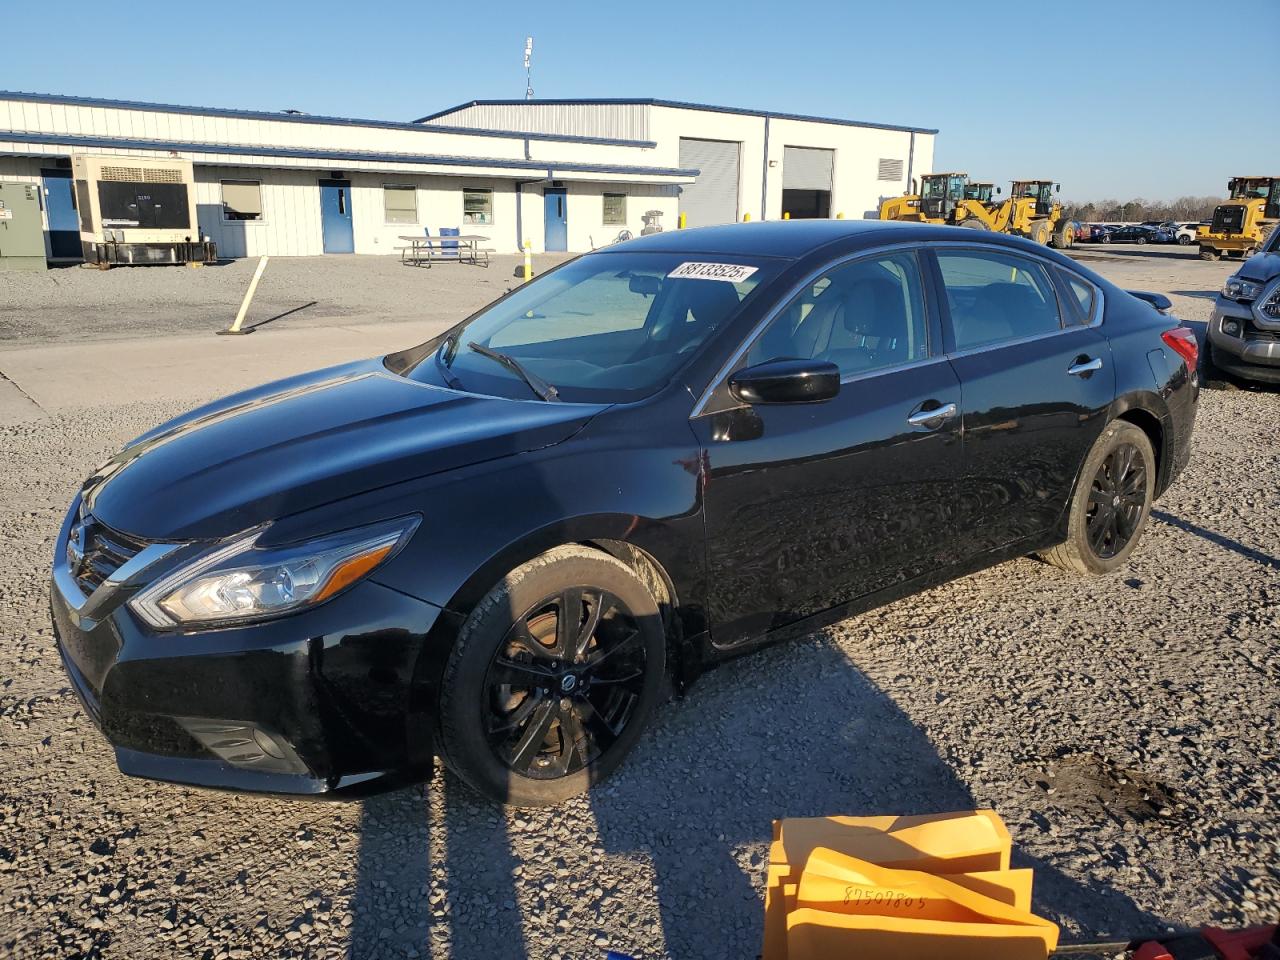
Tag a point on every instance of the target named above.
point(415, 126)
point(679, 105)
point(127, 143)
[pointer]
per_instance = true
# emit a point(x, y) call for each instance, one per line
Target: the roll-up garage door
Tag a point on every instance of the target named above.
point(713, 197)
point(806, 168)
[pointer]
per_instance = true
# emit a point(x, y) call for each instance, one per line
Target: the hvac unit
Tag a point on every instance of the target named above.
point(138, 210)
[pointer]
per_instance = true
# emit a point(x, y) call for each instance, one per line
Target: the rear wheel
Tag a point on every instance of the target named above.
point(1040, 232)
point(1105, 238)
point(553, 678)
point(1183, 240)
point(1110, 506)
point(1139, 239)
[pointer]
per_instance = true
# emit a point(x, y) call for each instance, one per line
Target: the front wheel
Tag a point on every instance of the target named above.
point(553, 678)
point(1110, 506)
point(1184, 240)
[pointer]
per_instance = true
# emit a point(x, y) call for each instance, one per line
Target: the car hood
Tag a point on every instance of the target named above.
point(1261, 267)
point(303, 442)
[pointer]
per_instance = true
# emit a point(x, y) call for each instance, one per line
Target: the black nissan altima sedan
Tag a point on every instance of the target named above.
point(505, 546)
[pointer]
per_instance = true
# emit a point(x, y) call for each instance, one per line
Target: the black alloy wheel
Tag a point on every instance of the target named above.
point(1117, 501)
point(1111, 503)
point(564, 684)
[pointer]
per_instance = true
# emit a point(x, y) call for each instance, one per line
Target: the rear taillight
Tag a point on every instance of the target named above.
point(1184, 344)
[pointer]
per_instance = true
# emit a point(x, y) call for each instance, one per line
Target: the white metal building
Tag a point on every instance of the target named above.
point(560, 174)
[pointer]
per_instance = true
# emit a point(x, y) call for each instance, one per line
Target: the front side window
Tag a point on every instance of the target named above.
point(400, 203)
point(241, 200)
point(477, 206)
point(607, 327)
point(861, 316)
point(995, 297)
point(615, 209)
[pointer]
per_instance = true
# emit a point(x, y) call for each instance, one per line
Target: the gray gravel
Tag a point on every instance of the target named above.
point(1126, 728)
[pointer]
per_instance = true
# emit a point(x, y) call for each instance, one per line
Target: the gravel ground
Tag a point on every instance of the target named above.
point(79, 303)
point(1126, 728)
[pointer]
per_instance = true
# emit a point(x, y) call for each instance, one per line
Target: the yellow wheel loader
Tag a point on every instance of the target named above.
point(939, 197)
point(1242, 225)
point(1030, 211)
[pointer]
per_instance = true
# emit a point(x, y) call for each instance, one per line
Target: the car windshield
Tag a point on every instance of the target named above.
point(608, 327)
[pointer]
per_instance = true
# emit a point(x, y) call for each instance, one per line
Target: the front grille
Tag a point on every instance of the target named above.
point(103, 552)
point(1228, 219)
point(1253, 332)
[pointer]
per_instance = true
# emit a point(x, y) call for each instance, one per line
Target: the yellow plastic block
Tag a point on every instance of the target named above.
point(822, 935)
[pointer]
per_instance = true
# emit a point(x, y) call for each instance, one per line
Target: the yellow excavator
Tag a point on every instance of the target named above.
point(950, 198)
point(1243, 223)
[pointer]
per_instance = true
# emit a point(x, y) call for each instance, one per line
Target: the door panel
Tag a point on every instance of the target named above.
point(813, 505)
point(335, 216)
point(556, 217)
point(1028, 423)
point(60, 209)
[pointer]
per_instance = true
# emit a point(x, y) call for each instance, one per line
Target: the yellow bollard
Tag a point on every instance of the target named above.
point(682, 221)
point(236, 328)
point(746, 218)
point(528, 261)
point(840, 215)
point(786, 215)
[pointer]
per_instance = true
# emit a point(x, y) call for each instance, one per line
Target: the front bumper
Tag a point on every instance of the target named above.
point(1252, 353)
point(327, 701)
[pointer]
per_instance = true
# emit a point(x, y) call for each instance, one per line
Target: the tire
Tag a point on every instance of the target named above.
point(1105, 238)
point(1064, 237)
point(973, 223)
point(1086, 552)
point(1266, 235)
point(1040, 232)
point(1184, 240)
point(1208, 253)
point(489, 730)
point(1140, 240)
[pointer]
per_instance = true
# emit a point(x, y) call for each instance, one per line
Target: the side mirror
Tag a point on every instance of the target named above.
point(645, 284)
point(999, 190)
point(786, 381)
point(1057, 188)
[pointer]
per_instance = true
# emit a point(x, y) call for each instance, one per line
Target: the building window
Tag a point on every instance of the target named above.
point(890, 170)
point(615, 209)
point(477, 205)
point(400, 202)
point(241, 200)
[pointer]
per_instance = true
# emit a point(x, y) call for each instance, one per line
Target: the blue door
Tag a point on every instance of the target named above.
point(556, 215)
point(60, 208)
point(335, 216)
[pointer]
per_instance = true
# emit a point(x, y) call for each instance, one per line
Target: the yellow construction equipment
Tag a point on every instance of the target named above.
point(1242, 225)
point(950, 198)
point(939, 196)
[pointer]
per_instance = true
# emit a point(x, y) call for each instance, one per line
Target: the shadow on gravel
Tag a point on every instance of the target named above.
point(795, 730)
point(1197, 294)
point(395, 895)
point(1227, 543)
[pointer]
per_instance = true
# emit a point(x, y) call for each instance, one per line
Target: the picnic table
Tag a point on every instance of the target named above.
point(423, 249)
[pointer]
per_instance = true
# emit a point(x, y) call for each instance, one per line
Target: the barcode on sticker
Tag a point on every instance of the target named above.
point(728, 272)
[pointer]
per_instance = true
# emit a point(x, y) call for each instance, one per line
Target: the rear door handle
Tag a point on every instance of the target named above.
point(1085, 366)
point(934, 418)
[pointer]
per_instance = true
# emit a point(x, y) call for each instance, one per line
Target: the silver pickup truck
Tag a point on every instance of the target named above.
point(1244, 332)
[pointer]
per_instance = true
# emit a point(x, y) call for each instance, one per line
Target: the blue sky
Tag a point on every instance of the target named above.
point(1110, 98)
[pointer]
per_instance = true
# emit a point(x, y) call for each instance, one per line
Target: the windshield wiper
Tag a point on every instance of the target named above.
point(539, 386)
point(443, 365)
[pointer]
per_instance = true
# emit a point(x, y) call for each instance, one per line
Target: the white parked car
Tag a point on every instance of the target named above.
point(1186, 233)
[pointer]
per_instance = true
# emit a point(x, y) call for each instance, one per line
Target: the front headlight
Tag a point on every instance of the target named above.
point(241, 581)
point(1237, 288)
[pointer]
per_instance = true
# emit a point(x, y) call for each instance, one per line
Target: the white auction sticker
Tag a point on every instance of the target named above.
point(728, 272)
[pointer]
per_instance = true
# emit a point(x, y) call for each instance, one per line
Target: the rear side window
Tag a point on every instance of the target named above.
point(1081, 296)
point(997, 297)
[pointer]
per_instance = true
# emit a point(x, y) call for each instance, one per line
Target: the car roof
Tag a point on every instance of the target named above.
point(793, 239)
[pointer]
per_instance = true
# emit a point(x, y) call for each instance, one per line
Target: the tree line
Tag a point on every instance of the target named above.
point(1184, 209)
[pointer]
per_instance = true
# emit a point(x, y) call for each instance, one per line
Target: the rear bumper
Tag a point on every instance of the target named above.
point(326, 702)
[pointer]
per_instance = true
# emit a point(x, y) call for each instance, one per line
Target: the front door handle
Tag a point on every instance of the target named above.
point(1084, 366)
point(933, 418)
